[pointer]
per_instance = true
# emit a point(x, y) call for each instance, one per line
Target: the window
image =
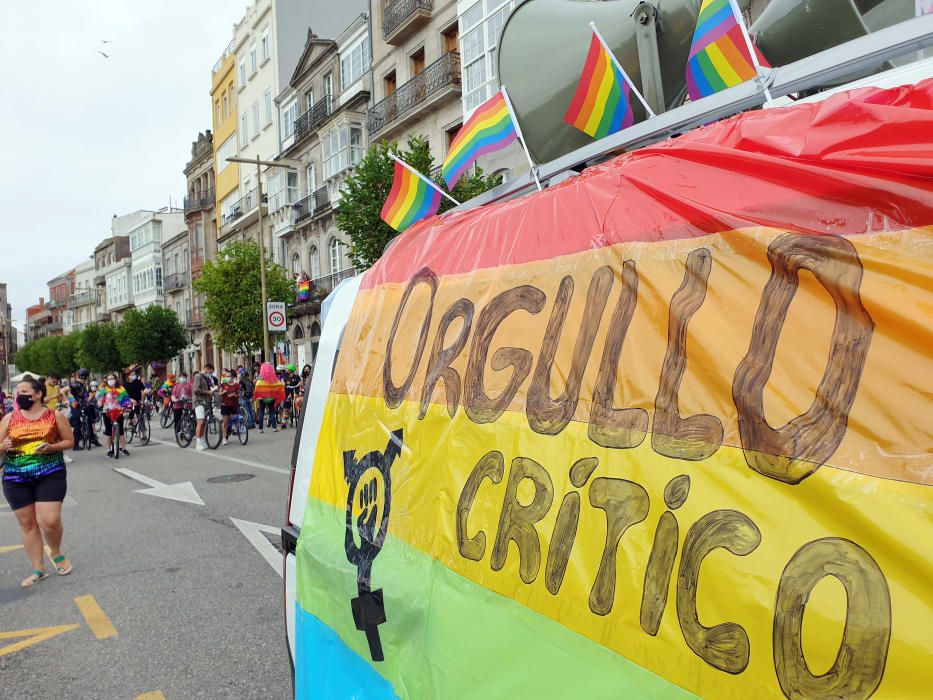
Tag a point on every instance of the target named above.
point(354, 63)
point(217, 111)
point(228, 206)
point(388, 83)
point(341, 149)
point(291, 187)
point(242, 72)
point(184, 253)
point(481, 26)
point(266, 44)
point(329, 85)
point(232, 98)
point(296, 264)
point(267, 99)
point(256, 118)
point(253, 59)
point(244, 130)
point(335, 261)
point(417, 62)
point(289, 115)
point(310, 179)
point(226, 111)
point(451, 37)
point(158, 278)
point(315, 263)
point(226, 150)
point(309, 99)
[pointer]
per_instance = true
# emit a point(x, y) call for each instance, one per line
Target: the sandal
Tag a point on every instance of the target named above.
point(34, 578)
point(63, 570)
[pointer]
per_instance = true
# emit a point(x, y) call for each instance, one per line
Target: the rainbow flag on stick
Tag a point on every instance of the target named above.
point(602, 104)
point(721, 55)
point(413, 197)
point(490, 128)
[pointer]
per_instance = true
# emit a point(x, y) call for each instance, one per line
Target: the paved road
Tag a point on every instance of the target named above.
point(166, 596)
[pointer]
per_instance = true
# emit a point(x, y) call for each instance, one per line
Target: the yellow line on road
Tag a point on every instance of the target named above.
point(33, 636)
point(154, 695)
point(10, 548)
point(96, 619)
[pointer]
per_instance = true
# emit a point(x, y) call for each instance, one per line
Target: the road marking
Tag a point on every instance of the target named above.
point(253, 532)
point(33, 636)
point(95, 618)
point(154, 695)
point(183, 491)
point(246, 462)
point(10, 548)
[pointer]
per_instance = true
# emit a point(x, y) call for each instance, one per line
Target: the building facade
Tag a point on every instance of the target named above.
point(176, 287)
point(38, 318)
point(82, 304)
point(60, 290)
point(8, 337)
point(108, 253)
point(328, 95)
point(146, 253)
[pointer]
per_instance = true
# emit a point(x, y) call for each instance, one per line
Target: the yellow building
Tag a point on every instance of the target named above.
point(223, 108)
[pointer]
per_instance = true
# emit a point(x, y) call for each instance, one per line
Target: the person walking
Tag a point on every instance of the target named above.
point(269, 393)
point(203, 390)
point(229, 400)
point(32, 440)
point(52, 391)
point(112, 400)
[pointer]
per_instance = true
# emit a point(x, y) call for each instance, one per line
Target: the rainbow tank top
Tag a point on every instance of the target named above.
point(23, 463)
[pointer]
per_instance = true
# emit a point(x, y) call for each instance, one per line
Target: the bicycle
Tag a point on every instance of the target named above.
point(167, 419)
point(115, 414)
point(212, 427)
point(83, 434)
point(238, 425)
point(187, 424)
point(140, 427)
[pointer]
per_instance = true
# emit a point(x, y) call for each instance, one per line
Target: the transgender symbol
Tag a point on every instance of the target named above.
point(370, 496)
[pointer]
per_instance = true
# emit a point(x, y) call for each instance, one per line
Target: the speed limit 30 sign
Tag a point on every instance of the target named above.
point(275, 316)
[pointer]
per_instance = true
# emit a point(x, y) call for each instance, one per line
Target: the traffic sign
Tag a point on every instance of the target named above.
point(275, 316)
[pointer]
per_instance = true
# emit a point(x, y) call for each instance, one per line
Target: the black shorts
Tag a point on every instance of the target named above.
point(45, 488)
point(108, 425)
point(229, 410)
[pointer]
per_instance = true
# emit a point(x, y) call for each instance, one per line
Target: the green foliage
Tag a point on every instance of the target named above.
point(97, 349)
point(233, 293)
point(153, 333)
point(54, 353)
point(365, 192)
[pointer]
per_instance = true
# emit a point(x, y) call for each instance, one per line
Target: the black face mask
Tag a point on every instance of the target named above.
point(24, 402)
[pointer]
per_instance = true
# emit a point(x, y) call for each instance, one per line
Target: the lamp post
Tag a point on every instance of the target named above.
point(288, 165)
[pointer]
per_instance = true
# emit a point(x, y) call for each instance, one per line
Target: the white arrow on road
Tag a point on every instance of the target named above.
point(253, 532)
point(183, 491)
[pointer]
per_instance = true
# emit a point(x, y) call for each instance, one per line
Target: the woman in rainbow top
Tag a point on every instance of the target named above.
point(269, 392)
point(32, 438)
point(112, 398)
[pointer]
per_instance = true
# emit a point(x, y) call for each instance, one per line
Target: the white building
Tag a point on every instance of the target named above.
point(82, 305)
point(146, 254)
point(119, 289)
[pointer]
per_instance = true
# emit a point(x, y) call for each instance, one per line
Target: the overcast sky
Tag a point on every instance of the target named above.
point(88, 137)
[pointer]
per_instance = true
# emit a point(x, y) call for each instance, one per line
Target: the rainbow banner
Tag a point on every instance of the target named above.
point(488, 129)
point(601, 104)
point(721, 54)
point(660, 431)
point(411, 198)
point(304, 290)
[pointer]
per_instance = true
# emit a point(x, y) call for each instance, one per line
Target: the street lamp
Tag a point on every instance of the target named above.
point(288, 165)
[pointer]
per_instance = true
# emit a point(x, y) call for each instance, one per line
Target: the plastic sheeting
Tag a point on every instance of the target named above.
point(661, 430)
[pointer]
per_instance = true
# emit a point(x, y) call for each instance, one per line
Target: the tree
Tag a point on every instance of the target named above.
point(365, 191)
point(153, 333)
point(53, 353)
point(97, 349)
point(233, 294)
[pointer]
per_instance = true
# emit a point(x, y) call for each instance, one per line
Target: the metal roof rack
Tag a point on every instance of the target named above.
point(863, 54)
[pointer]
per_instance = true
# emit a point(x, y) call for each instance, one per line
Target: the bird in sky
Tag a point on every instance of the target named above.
point(105, 55)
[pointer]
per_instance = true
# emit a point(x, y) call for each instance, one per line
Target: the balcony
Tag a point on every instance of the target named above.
point(55, 303)
point(199, 200)
point(82, 299)
point(325, 285)
point(402, 18)
point(243, 206)
point(100, 280)
point(178, 280)
point(315, 203)
point(310, 120)
point(54, 327)
point(433, 86)
point(194, 318)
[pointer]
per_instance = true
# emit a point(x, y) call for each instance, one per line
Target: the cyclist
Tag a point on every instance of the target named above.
point(229, 399)
point(246, 397)
point(203, 395)
point(269, 392)
point(111, 399)
point(180, 395)
point(81, 400)
point(165, 391)
point(135, 388)
point(292, 389)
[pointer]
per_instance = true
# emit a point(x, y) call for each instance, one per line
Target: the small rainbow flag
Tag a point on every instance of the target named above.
point(489, 129)
point(304, 290)
point(410, 200)
point(601, 105)
point(720, 55)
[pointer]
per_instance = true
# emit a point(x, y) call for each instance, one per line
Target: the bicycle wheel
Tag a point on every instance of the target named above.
point(116, 440)
point(84, 434)
point(185, 432)
point(167, 419)
point(242, 432)
point(212, 430)
point(142, 429)
point(130, 432)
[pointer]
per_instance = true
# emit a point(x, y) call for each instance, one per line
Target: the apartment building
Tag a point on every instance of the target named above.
point(82, 304)
point(224, 139)
point(146, 253)
point(324, 107)
point(60, 290)
point(8, 336)
point(176, 286)
point(38, 318)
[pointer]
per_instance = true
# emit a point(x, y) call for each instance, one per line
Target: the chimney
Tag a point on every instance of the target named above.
point(41, 301)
